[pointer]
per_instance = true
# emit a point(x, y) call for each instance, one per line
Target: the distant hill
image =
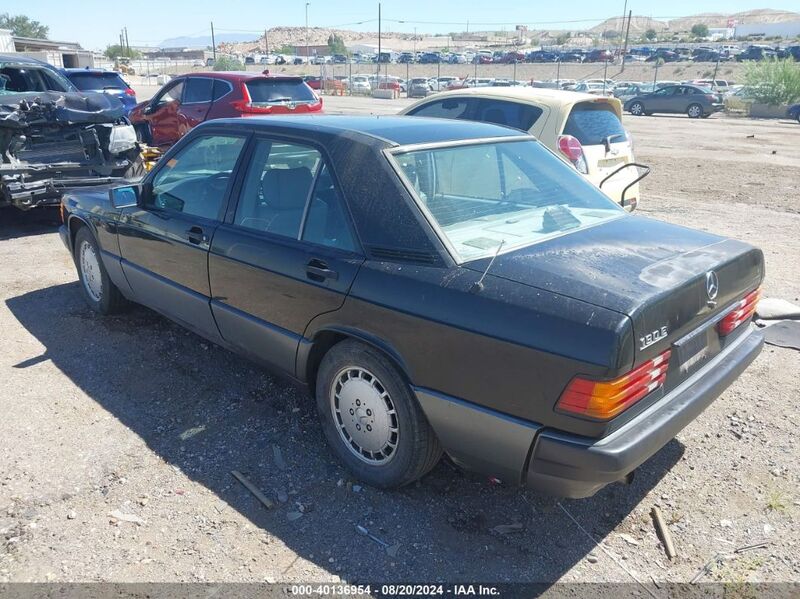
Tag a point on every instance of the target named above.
point(205, 40)
point(764, 15)
point(640, 24)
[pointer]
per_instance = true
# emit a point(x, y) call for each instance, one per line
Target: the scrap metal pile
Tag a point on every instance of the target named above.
point(52, 141)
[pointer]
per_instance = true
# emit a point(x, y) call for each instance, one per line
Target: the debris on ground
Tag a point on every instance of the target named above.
point(628, 539)
point(504, 529)
point(277, 456)
point(745, 548)
point(191, 432)
point(266, 501)
point(283, 496)
point(663, 532)
point(363, 531)
point(393, 549)
point(292, 516)
point(592, 558)
point(784, 334)
point(772, 308)
point(118, 516)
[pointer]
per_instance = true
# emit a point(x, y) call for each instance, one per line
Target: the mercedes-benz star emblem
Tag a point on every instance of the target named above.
point(712, 285)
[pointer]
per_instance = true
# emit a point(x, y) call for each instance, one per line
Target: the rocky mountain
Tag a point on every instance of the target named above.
point(640, 24)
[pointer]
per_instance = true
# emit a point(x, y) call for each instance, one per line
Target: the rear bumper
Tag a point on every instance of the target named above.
point(572, 466)
point(567, 465)
point(716, 107)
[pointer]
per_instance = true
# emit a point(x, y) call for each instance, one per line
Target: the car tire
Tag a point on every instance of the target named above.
point(371, 418)
point(694, 111)
point(142, 133)
point(100, 293)
point(636, 109)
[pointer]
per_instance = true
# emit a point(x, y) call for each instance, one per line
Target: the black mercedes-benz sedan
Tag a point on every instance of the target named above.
point(438, 285)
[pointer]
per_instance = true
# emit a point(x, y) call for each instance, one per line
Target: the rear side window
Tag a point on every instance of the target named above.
point(510, 114)
point(197, 89)
point(221, 88)
point(264, 91)
point(450, 108)
point(277, 187)
point(97, 81)
point(593, 123)
point(326, 223)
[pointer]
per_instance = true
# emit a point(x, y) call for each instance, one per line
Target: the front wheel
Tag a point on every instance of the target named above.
point(100, 293)
point(636, 109)
point(694, 111)
point(371, 419)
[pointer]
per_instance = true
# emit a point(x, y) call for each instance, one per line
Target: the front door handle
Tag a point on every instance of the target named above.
point(196, 235)
point(317, 270)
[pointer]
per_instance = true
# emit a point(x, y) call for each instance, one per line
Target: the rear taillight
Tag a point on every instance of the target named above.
point(712, 97)
point(741, 312)
point(570, 147)
point(602, 400)
point(130, 92)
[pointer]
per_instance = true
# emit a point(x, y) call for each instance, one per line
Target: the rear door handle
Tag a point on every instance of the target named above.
point(317, 270)
point(196, 235)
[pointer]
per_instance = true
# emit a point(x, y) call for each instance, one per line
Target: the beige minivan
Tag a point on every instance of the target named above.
point(582, 129)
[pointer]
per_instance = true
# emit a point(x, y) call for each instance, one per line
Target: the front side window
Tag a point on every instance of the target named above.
point(195, 180)
point(277, 187)
point(171, 94)
point(513, 193)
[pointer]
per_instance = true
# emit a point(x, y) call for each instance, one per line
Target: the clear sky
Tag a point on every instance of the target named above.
point(96, 23)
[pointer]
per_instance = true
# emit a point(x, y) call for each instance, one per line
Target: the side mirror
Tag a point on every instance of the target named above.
point(124, 197)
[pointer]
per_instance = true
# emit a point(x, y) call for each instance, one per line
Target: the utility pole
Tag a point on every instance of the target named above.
point(625, 47)
point(213, 43)
point(307, 54)
point(266, 43)
point(378, 82)
point(127, 43)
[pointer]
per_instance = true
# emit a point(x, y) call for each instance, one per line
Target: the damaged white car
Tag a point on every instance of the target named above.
point(54, 138)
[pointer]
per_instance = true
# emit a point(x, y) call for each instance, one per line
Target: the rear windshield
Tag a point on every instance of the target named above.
point(592, 123)
point(505, 194)
point(279, 90)
point(97, 81)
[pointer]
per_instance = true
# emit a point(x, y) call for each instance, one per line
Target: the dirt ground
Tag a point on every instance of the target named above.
point(107, 420)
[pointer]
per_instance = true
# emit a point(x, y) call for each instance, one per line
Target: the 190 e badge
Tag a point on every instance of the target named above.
point(653, 337)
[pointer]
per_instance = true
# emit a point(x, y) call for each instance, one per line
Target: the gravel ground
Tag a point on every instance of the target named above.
point(108, 420)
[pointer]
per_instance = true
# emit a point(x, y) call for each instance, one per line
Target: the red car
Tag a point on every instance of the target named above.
point(188, 100)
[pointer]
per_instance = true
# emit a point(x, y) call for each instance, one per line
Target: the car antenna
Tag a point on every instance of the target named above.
point(478, 285)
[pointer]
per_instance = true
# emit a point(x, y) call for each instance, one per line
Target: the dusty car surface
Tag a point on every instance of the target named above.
point(439, 285)
point(53, 137)
point(582, 129)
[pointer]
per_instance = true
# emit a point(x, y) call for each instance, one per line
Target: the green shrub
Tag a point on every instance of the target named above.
point(773, 82)
point(228, 63)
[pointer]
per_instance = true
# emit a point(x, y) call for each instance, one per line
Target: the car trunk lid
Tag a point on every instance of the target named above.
point(653, 272)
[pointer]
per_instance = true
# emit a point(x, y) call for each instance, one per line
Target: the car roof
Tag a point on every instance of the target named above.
point(390, 130)
point(90, 71)
point(553, 97)
point(241, 75)
point(20, 59)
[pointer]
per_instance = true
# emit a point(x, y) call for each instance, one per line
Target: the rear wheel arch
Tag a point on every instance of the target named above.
point(324, 340)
